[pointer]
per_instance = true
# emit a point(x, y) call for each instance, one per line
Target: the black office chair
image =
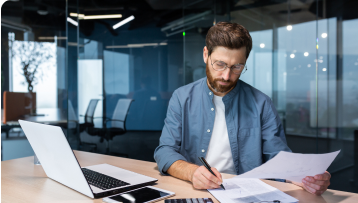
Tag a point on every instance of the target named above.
point(116, 125)
point(88, 125)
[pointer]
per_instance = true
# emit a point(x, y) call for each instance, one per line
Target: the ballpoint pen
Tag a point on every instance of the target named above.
point(207, 166)
point(273, 201)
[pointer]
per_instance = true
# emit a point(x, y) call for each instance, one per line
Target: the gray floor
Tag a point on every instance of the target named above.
point(141, 145)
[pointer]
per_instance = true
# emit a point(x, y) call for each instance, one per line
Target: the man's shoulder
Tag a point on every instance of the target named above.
point(189, 89)
point(251, 91)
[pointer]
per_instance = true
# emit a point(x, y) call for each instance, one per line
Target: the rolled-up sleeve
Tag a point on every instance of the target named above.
point(170, 141)
point(273, 135)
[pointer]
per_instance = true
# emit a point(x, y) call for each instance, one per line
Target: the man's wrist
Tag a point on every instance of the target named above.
point(191, 171)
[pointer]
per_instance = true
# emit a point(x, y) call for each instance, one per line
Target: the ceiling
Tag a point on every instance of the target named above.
point(163, 12)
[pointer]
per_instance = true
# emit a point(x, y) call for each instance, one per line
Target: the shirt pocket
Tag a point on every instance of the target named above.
point(250, 147)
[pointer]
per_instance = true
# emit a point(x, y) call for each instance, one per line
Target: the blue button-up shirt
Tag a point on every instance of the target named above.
point(254, 127)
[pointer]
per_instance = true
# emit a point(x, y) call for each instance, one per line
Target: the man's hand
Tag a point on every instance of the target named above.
point(198, 175)
point(203, 179)
point(317, 184)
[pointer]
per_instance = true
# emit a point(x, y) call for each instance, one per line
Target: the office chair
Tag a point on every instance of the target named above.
point(88, 125)
point(116, 125)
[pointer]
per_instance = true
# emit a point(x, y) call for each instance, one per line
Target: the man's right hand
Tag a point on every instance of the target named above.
point(203, 179)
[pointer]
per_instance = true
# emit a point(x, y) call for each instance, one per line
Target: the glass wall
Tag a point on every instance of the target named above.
point(33, 70)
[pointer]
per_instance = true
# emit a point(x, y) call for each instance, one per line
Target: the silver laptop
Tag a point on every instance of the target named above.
point(60, 164)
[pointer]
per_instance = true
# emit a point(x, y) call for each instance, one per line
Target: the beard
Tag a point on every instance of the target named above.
point(216, 86)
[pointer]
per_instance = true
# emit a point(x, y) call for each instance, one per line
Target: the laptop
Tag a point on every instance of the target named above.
point(60, 164)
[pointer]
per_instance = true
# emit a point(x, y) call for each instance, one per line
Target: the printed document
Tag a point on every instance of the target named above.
point(244, 190)
point(292, 166)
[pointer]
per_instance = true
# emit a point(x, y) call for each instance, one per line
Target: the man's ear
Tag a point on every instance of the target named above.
point(205, 54)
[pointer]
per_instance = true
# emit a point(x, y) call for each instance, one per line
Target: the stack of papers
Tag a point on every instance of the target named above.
point(244, 190)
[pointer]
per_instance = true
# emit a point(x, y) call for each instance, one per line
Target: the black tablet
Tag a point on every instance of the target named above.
point(142, 195)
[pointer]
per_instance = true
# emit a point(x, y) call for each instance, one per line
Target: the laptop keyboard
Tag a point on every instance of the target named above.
point(102, 181)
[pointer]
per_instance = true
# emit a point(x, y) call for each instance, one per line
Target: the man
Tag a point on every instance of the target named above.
point(232, 124)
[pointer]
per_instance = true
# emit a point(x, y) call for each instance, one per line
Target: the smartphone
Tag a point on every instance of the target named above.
point(141, 195)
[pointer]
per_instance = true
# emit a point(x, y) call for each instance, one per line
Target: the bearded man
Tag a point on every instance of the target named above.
point(219, 117)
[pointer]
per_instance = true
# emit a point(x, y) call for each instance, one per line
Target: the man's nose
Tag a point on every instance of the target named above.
point(226, 73)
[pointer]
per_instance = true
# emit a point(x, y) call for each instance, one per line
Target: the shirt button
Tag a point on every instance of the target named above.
point(212, 109)
point(208, 131)
point(203, 150)
point(210, 93)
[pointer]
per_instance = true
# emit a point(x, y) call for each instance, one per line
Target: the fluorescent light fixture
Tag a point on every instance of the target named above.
point(289, 27)
point(292, 56)
point(136, 45)
point(324, 69)
point(51, 38)
point(102, 16)
point(262, 45)
point(70, 20)
point(130, 18)
point(77, 15)
point(306, 53)
point(91, 17)
point(324, 35)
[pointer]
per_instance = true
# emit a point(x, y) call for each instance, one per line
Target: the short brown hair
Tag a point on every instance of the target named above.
point(229, 35)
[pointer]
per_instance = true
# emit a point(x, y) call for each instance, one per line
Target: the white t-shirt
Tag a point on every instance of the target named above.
point(219, 153)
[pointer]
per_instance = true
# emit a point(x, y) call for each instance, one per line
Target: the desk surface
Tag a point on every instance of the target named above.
point(22, 181)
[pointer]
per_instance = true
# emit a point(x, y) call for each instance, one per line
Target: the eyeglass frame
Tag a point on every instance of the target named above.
point(226, 66)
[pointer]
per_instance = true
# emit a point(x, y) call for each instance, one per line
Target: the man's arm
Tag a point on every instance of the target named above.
point(168, 157)
point(198, 175)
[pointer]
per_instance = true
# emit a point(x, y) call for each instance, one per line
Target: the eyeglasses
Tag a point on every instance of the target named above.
point(221, 66)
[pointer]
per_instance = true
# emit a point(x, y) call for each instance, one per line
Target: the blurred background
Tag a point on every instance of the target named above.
point(104, 70)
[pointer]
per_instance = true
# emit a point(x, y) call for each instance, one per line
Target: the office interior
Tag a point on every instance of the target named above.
point(104, 71)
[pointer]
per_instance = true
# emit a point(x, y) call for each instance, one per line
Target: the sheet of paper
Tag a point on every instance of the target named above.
point(292, 166)
point(249, 190)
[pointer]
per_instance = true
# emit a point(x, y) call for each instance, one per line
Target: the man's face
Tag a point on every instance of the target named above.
point(223, 81)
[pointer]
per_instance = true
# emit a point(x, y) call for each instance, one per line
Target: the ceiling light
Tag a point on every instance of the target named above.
point(324, 35)
point(292, 56)
point(306, 54)
point(51, 38)
point(324, 69)
point(137, 45)
point(102, 16)
point(289, 27)
point(130, 18)
point(75, 23)
point(77, 15)
point(91, 17)
point(309, 65)
point(262, 45)
point(42, 10)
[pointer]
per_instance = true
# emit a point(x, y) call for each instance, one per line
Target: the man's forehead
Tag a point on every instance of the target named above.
point(229, 55)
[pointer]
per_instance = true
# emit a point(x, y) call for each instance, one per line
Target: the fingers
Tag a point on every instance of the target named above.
point(217, 174)
point(312, 190)
point(324, 176)
point(211, 177)
point(203, 179)
point(317, 184)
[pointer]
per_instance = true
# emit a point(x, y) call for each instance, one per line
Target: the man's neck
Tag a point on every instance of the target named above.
point(220, 94)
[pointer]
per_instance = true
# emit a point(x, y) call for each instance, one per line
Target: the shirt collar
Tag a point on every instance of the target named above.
point(227, 97)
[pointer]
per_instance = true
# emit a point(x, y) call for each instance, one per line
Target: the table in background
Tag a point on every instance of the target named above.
point(52, 116)
point(22, 181)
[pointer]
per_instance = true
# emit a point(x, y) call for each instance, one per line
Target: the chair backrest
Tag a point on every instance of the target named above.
point(17, 104)
point(90, 111)
point(120, 113)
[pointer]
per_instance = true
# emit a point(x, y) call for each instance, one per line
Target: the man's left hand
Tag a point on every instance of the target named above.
point(317, 184)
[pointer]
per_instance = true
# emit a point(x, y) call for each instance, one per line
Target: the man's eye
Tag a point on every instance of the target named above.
point(220, 64)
